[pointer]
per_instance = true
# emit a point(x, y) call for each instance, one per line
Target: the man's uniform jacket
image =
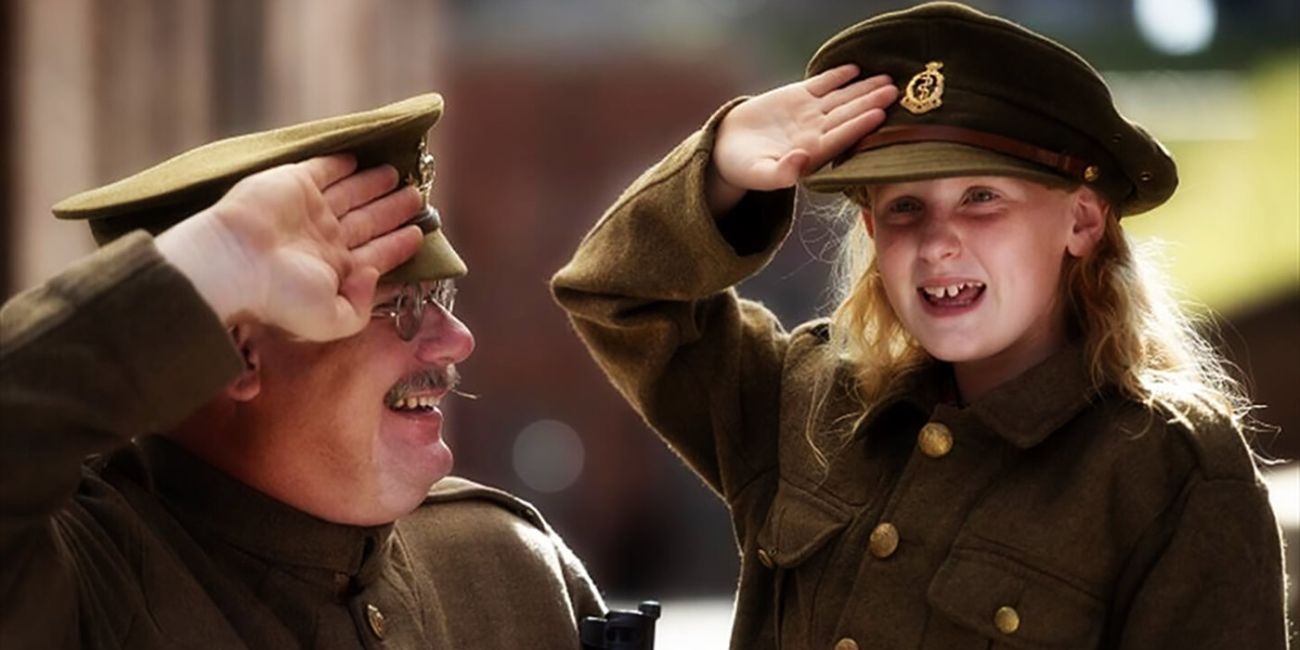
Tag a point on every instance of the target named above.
point(1059, 517)
point(144, 546)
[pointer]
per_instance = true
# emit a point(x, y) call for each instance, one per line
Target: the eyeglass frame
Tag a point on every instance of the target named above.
point(407, 307)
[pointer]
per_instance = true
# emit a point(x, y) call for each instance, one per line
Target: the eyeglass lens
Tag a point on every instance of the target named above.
point(411, 303)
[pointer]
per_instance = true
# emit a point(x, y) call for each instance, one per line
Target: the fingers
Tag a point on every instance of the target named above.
point(380, 216)
point(327, 170)
point(386, 252)
point(845, 135)
point(841, 96)
point(360, 188)
point(356, 293)
point(879, 97)
point(356, 289)
point(773, 174)
point(829, 80)
point(792, 166)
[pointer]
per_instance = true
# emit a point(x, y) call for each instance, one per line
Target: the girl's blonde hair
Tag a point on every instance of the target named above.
point(1134, 335)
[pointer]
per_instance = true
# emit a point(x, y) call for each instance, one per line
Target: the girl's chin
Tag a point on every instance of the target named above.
point(956, 349)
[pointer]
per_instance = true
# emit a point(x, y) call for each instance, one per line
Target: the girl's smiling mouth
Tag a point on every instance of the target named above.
point(951, 298)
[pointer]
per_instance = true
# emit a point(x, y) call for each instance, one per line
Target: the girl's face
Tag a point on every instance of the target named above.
point(971, 266)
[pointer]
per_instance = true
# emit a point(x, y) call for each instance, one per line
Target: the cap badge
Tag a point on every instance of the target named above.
point(425, 174)
point(924, 92)
point(428, 219)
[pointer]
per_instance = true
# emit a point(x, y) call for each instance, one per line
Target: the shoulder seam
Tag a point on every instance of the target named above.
point(1220, 452)
point(471, 491)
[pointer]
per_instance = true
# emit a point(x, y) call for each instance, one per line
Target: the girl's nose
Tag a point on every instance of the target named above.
point(939, 240)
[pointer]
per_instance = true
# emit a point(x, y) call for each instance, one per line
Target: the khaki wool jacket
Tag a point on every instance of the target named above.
point(144, 546)
point(1043, 515)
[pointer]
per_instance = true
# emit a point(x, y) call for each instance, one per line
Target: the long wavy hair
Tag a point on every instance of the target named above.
point(1134, 334)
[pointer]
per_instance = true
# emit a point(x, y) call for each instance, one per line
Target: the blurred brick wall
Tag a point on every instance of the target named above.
point(8, 154)
point(1264, 343)
point(536, 151)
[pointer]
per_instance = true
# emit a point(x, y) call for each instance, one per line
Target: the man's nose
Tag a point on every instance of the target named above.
point(443, 339)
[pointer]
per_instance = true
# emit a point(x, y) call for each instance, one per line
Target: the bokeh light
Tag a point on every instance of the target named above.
point(1176, 27)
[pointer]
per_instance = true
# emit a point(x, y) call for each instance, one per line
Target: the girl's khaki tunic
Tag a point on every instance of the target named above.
point(1043, 515)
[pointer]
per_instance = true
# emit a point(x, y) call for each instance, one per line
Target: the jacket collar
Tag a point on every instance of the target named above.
point(215, 503)
point(1023, 411)
point(1026, 410)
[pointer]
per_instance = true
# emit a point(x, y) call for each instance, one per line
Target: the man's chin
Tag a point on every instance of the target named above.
point(404, 484)
point(411, 470)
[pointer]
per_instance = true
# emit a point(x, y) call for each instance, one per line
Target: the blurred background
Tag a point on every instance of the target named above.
point(553, 106)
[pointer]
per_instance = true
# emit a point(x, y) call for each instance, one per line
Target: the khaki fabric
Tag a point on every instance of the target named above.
point(144, 546)
point(992, 77)
point(1095, 521)
point(157, 198)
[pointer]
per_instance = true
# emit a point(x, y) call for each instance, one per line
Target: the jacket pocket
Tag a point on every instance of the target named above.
point(798, 525)
point(794, 543)
point(1010, 604)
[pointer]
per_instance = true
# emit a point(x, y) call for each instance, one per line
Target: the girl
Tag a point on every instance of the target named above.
point(1005, 435)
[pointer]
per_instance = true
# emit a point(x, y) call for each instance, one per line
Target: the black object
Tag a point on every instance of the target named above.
point(621, 629)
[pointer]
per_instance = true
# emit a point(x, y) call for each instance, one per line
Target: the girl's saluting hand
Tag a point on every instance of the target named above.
point(770, 141)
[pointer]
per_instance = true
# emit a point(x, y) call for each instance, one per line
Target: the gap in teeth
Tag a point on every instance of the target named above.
point(951, 291)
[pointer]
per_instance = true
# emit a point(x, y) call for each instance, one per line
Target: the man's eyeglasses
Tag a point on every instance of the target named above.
point(407, 308)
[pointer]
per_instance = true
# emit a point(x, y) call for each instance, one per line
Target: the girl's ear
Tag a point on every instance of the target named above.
point(869, 222)
point(249, 382)
point(1088, 222)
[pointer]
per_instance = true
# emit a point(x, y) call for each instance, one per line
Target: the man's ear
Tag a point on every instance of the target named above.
point(249, 382)
point(1088, 222)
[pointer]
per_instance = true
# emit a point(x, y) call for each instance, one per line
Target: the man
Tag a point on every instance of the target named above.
point(289, 343)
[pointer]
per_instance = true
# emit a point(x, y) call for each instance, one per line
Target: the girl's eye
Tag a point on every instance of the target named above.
point(980, 195)
point(903, 205)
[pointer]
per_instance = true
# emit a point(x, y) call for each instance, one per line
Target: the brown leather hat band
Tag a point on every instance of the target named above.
point(891, 135)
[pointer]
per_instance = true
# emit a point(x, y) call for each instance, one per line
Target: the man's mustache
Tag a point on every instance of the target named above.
point(433, 379)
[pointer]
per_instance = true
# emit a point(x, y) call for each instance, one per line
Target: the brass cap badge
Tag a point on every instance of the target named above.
point(924, 92)
point(428, 219)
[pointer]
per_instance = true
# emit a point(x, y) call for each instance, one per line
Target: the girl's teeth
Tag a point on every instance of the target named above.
point(952, 290)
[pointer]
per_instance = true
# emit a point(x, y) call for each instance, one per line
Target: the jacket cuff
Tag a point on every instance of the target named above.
point(139, 315)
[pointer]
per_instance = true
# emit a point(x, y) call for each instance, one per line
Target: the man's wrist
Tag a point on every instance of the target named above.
point(211, 261)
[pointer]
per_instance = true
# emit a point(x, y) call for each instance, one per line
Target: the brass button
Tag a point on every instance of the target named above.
point(1007, 620)
point(884, 540)
point(765, 557)
point(1091, 173)
point(376, 620)
point(935, 440)
point(846, 644)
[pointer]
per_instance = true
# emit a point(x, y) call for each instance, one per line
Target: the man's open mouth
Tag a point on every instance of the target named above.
point(420, 392)
point(412, 404)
